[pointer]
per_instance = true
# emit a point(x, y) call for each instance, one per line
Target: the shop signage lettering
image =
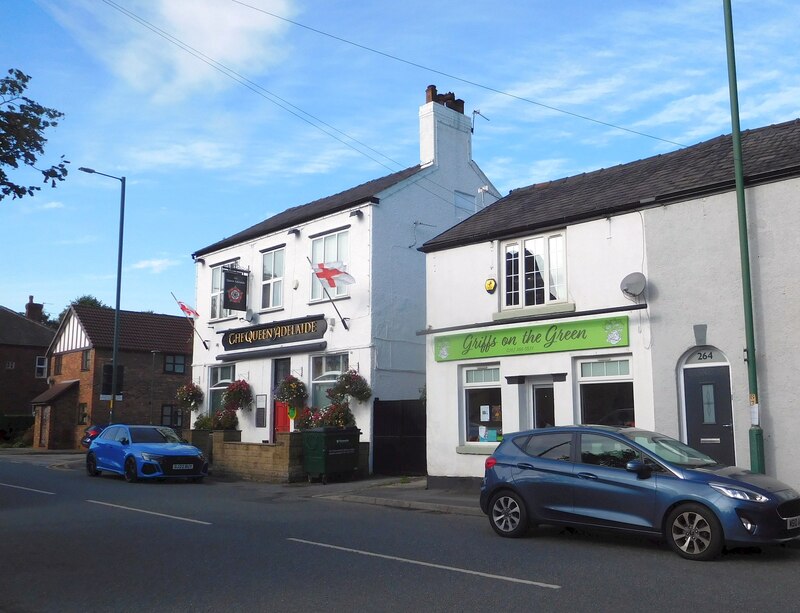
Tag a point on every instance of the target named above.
point(289, 331)
point(547, 338)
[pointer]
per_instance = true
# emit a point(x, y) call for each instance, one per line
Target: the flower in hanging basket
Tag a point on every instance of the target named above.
point(237, 395)
point(292, 391)
point(352, 384)
point(189, 396)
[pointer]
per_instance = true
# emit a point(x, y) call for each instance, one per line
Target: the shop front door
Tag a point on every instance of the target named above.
point(709, 418)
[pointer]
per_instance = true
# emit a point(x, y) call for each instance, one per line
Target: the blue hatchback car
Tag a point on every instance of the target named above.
point(636, 481)
point(144, 452)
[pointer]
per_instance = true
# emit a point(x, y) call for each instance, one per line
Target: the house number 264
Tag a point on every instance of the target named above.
point(705, 355)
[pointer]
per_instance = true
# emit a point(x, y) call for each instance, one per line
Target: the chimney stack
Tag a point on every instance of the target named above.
point(448, 99)
point(33, 310)
point(445, 133)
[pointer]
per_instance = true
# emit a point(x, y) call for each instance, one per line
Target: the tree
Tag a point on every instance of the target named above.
point(87, 299)
point(22, 125)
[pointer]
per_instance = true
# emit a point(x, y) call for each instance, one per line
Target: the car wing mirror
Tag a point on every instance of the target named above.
point(124, 441)
point(643, 470)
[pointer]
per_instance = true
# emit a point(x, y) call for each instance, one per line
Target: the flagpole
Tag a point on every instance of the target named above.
point(333, 304)
point(202, 340)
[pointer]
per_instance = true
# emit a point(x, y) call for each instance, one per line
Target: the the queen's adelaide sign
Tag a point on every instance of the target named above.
point(547, 338)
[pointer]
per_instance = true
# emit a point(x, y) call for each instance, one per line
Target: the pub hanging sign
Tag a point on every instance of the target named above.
point(275, 333)
point(235, 290)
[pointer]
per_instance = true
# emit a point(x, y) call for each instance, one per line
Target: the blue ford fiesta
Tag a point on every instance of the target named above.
point(144, 452)
point(636, 481)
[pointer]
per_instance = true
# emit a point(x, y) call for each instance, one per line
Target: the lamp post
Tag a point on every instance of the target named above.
point(115, 349)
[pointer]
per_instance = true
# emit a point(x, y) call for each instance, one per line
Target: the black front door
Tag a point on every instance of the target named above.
point(709, 418)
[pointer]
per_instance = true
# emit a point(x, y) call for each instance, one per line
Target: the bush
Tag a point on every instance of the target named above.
point(203, 422)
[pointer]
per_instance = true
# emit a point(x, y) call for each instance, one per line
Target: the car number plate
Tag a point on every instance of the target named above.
point(793, 522)
point(182, 466)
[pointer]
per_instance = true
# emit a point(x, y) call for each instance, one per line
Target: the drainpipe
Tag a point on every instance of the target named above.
point(756, 433)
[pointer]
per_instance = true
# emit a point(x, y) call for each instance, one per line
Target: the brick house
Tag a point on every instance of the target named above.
point(155, 352)
point(23, 365)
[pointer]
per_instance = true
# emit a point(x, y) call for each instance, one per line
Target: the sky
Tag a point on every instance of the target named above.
point(222, 113)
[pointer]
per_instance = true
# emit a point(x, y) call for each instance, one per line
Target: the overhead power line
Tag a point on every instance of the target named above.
point(455, 77)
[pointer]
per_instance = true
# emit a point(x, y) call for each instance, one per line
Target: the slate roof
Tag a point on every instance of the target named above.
point(137, 331)
point(770, 153)
point(318, 208)
point(16, 329)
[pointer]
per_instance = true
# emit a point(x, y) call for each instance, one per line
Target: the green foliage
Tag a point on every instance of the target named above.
point(189, 396)
point(292, 391)
point(337, 415)
point(237, 395)
point(350, 384)
point(86, 299)
point(225, 419)
point(22, 125)
point(203, 422)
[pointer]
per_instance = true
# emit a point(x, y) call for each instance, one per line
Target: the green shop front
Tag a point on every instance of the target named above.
point(485, 381)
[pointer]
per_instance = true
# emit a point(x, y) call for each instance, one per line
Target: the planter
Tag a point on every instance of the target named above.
point(330, 451)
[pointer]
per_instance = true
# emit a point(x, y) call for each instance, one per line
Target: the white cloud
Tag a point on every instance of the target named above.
point(156, 265)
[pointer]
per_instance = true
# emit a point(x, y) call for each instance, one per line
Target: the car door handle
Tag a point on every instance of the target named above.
point(587, 476)
point(525, 466)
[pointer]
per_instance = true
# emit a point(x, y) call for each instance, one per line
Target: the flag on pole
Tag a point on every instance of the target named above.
point(333, 273)
point(188, 311)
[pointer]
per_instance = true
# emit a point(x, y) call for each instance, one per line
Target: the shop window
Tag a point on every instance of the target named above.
point(175, 364)
point(535, 271)
point(41, 366)
point(606, 390)
point(483, 409)
point(325, 370)
point(333, 247)
point(272, 279)
point(217, 294)
point(220, 378)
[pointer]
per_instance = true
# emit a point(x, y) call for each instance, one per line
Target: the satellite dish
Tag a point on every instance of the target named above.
point(633, 284)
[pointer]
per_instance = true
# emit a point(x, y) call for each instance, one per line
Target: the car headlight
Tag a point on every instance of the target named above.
point(151, 457)
point(738, 493)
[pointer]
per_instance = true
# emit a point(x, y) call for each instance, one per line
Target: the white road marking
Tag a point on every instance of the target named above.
point(27, 489)
point(430, 565)
point(119, 506)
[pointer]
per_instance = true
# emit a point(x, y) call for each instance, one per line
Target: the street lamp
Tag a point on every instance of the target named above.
point(115, 349)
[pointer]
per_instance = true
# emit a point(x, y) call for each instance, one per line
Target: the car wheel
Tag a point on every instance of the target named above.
point(130, 470)
point(91, 465)
point(508, 516)
point(694, 532)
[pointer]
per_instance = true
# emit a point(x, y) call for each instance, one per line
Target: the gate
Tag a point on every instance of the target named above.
point(398, 446)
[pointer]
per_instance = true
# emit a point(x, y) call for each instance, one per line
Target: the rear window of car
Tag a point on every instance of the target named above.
point(551, 446)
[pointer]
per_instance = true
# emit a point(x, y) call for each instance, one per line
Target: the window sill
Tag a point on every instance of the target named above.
point(477, 449)
point(544, 309)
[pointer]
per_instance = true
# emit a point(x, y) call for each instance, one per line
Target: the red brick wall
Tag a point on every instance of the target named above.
point(19, 385)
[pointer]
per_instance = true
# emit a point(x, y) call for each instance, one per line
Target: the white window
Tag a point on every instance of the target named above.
point(272, 279)
point(483, 410)
point(325, 370)
point(606, 388)
point(221, 378)
point(41, 366)
point(333, 247)
point(535, 271)
point(217, 293)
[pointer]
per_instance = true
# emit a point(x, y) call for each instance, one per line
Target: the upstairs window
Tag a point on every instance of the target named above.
point(535, 271)
point(86, 356)
point(175, 364)
point(272, 279)
point(57, 363)
point(333, 247)
point(41, 366)
point(217, 292)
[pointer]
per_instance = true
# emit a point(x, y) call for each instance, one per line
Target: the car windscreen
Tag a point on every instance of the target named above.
point(669, 449)
point(154, 435)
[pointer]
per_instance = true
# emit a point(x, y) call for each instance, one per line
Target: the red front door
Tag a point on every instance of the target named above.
point(282, 422)
point(281, 367)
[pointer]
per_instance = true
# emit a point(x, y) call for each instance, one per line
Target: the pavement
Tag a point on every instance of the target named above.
point(397, 492)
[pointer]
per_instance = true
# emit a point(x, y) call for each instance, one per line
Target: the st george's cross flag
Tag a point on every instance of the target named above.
point(333, 273)
point(189, 311)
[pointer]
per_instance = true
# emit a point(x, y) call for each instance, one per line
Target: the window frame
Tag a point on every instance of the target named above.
point(216, 309)
point(40, 367)
point(86, 359)
point(332, 246)
point(275, 281)
point(171, 360)
point(323, 380)
point(491, 386)
point(584, 381)
point(217, 384)
point(520, 287)
point(58, 363)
